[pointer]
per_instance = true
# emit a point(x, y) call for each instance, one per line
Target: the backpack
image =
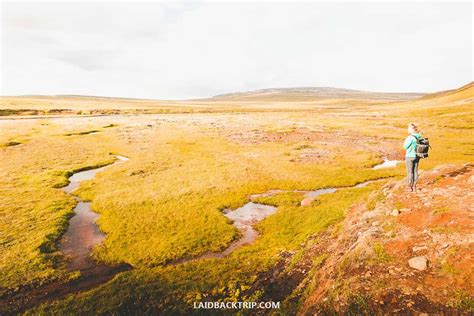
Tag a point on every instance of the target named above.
point(422, 147)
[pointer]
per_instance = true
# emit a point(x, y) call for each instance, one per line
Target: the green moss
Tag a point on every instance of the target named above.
point(390, 227)
point(448, 269)
point(440, 210)
point(373, 200)
point(380, 253)
point(443, 230)
point(462, 301)
point(358, 304)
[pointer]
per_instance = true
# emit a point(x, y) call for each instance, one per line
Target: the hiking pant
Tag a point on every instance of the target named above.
point(412, 170)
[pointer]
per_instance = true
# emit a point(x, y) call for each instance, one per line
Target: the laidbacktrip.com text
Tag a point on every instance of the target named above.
point(237, 305)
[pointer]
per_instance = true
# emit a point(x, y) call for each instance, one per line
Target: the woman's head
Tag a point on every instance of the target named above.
point(412, 128)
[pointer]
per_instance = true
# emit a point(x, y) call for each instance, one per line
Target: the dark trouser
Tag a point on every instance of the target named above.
point(412, 170)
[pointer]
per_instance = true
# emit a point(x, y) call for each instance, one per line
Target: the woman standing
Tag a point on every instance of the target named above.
point(411, 157)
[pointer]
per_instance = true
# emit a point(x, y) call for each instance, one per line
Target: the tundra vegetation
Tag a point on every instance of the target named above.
point(188, 163)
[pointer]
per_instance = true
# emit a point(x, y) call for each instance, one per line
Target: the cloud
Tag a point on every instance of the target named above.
point(181, 50)
point(88, 60)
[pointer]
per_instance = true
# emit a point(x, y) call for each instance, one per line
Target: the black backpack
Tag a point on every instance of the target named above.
point(422, 147)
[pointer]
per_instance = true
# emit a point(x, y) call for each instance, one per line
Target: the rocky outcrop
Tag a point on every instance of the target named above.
point(398, 253)
point(412, 253)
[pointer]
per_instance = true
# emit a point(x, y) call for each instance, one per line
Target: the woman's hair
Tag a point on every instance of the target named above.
point(414, 127)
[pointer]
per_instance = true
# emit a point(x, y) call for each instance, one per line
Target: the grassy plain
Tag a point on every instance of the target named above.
point(165, 203)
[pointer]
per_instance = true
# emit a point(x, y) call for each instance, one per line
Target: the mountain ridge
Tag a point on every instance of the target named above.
point(319, 93)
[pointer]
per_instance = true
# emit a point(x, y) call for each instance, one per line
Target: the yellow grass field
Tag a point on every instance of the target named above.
point(188, 162)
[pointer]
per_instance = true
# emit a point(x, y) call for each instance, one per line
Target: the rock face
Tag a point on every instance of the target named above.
point(419, 263)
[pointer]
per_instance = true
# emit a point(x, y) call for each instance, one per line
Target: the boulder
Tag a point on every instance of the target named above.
point(419, 263)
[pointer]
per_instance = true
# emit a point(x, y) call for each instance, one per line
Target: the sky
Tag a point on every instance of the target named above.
point(181, 50)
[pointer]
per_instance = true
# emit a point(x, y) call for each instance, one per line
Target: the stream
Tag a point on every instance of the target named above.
point(83, 233)
point(246, 216)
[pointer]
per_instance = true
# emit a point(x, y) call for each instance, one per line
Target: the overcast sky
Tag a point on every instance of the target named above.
point(177, 50)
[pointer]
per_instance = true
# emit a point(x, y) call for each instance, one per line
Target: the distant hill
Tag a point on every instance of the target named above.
point(465, 92)
point(259, 100)
point(77, 96)
point(314, 93)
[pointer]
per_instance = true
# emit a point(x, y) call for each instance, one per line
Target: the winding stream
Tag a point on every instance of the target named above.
point(245, 217)
point(83, 233)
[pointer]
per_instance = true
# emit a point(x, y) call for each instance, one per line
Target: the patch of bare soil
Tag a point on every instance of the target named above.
point(400, 253)
point(316, 140)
